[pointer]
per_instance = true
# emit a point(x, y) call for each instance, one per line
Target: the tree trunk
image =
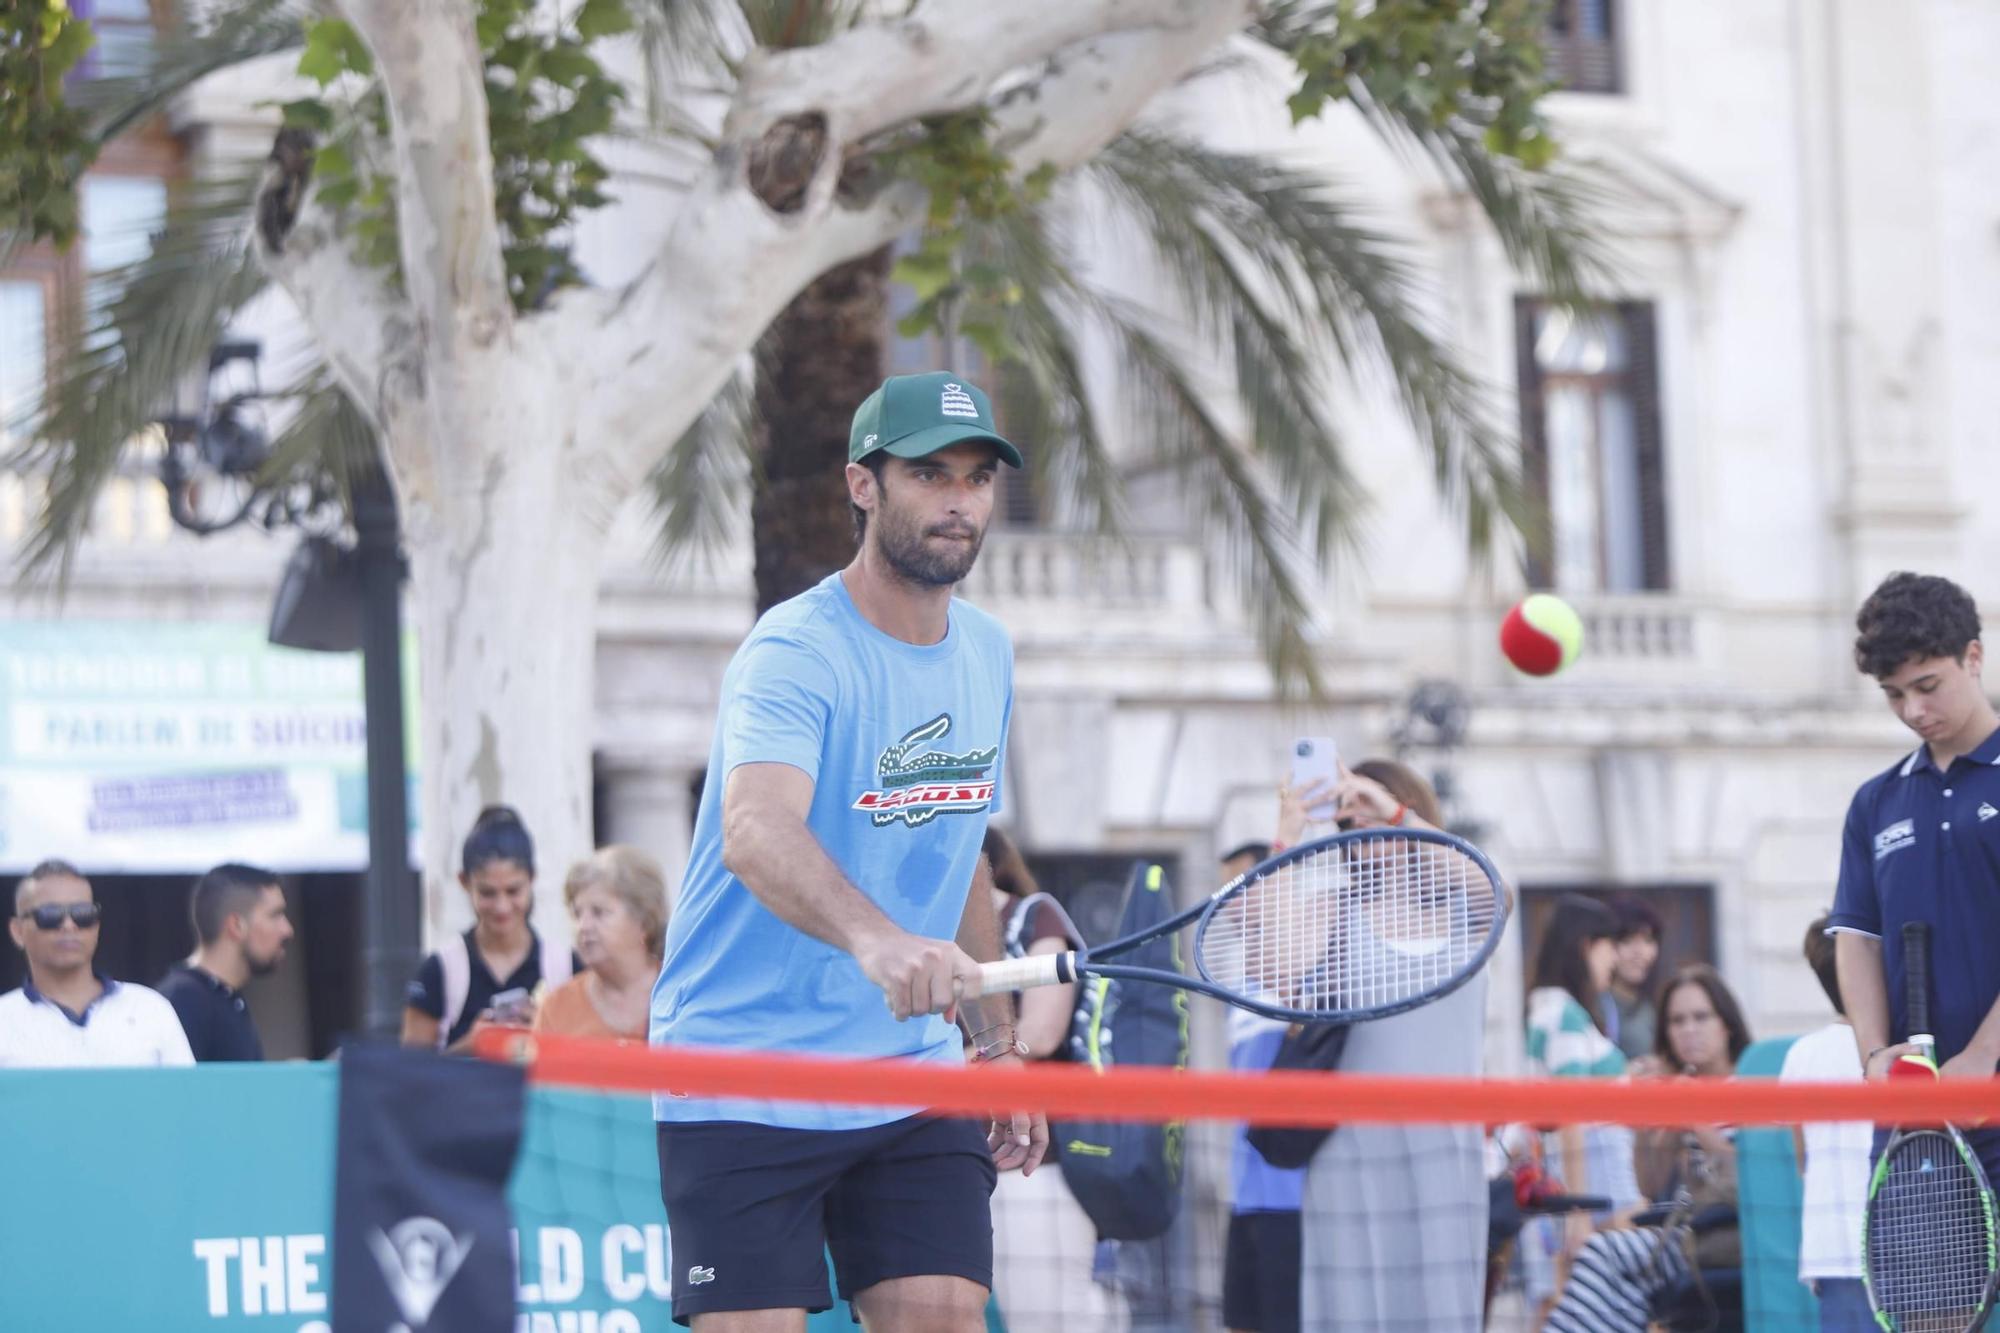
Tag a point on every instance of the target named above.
point(819, 359)
point(504, 605)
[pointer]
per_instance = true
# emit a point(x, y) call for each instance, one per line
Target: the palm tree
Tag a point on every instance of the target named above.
point(1269, 268)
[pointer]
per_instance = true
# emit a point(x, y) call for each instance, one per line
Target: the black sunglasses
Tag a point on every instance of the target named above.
point(49, 916)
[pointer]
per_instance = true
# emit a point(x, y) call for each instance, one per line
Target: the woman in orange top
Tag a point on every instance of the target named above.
point(617, 896)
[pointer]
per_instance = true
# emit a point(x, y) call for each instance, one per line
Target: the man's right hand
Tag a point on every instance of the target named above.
point(1884, 1060)
point(917, 975)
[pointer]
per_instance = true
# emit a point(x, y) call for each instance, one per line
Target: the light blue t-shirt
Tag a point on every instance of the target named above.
point(905, 745)
point(1255, 1185)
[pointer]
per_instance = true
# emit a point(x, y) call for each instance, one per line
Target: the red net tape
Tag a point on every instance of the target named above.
point(1269, 1098)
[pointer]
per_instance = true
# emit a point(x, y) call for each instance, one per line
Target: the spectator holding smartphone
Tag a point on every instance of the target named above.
point(1364, 1266)
point(490, 973)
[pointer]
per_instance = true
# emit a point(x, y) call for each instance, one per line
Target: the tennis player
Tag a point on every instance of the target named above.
point(835, 893)
point(1922, 841)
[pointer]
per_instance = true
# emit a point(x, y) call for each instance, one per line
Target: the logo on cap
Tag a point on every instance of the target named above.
point(957, 402)
point(869, 443)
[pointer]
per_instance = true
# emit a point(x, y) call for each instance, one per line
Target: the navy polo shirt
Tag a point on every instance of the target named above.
point(214, 1015)
point(1924, 845)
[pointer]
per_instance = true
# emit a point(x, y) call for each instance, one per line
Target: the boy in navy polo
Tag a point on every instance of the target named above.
point(1923, 840)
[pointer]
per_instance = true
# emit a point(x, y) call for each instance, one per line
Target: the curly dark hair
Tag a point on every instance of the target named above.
point(1911, 617)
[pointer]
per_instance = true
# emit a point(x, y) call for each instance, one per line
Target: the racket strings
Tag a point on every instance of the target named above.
point(1930, 1248)
point(1359, 925)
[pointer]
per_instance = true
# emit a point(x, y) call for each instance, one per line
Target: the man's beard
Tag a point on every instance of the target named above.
point(263, 967)
point(905, 549)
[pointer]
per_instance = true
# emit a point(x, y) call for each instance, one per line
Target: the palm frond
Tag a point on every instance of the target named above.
point(327, 447)
point(1043, 389)
point(113, 377)
point(791, 23)
point(1255, 247)
point(685, 40)
point(1543, 218)
point(699, 488)
point(182, 55)
point(1221, 480)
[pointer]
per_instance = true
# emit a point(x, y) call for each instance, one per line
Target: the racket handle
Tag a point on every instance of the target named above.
point(1042, 969)
point(1917, 979)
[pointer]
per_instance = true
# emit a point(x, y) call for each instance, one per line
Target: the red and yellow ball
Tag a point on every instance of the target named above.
point(1541, 635)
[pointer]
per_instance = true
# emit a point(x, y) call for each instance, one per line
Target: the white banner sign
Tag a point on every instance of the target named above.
point(147, 747)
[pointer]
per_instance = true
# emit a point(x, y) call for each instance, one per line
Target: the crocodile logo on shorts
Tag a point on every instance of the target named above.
point(919, 783)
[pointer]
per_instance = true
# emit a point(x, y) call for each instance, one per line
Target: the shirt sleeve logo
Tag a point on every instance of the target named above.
point(919, 783)
point(1901, 834)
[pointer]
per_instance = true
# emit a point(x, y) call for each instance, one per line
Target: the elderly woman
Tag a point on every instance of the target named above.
point(617, 898)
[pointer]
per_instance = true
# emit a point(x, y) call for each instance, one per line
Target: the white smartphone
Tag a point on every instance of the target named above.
point(1316, 759)
point(511, 1006)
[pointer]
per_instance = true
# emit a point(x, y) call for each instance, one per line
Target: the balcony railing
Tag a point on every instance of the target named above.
point(1139, 573)
point(1638, 629)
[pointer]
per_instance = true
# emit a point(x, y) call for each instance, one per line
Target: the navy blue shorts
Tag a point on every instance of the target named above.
point(754, 1209)
point(1260, 1272)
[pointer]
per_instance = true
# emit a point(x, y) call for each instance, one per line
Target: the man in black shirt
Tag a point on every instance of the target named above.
point(240, 930)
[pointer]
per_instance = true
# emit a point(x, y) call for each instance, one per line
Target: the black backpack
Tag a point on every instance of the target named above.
point(1127, 1175)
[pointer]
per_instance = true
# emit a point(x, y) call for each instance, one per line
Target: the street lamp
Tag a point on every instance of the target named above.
point(1436, 717)
point(334, 597)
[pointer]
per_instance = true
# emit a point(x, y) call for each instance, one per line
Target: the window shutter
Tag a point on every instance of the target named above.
point(1643, 380)
point(1583, 46)
point(1534, 442)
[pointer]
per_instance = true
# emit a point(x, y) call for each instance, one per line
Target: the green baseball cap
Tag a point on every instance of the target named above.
point(913, 416)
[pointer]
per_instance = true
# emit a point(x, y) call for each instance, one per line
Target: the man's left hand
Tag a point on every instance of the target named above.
point(1019, 1140)
point(1968, 1063)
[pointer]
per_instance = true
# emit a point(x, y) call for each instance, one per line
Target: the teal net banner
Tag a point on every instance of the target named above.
point(202, 1200)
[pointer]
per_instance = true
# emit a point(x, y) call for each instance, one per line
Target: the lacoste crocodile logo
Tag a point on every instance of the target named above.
point(918, 783)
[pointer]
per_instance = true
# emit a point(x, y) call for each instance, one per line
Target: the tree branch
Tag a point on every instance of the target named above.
point(360, 325)
point(948, 54)
point(731, 262)
point(1089, 94)
point(430, 64)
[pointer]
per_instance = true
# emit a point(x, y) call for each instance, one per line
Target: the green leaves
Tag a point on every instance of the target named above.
point(603, 18)
point(45, 145)
point(547, 98)
point(1442, 62)
point(334, 48)
point(971, 183)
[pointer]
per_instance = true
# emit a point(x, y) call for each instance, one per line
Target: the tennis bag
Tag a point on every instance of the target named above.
point(1127, 1176)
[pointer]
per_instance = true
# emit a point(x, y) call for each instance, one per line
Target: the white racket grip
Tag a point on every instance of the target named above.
point(1042, 969)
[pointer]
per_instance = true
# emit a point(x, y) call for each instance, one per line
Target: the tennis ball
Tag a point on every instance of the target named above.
point(1913, 1066)
point(1541, 635)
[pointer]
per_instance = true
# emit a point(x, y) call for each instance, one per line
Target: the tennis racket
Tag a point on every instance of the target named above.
point(1928, 1234)
point(1360, 925)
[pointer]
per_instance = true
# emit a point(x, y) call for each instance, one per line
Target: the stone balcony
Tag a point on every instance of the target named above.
point(1142, 615)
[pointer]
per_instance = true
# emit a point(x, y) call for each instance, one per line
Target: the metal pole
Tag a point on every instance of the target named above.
point(391, 911)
